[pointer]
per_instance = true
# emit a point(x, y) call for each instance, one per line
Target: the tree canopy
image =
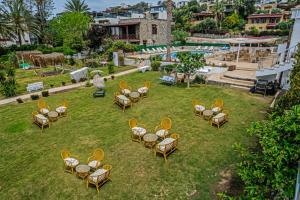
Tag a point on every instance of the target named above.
point(71, 28)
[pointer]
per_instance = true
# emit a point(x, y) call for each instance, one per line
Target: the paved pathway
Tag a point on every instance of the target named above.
point(60, 89)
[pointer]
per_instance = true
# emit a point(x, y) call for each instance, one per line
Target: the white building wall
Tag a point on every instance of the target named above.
point(295, 39)
point(11, 41)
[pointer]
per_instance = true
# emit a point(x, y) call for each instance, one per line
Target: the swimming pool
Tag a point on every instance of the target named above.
point(174, 54)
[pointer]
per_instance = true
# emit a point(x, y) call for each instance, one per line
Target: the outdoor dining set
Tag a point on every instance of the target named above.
point(160, 140)
point(215, 115)
point(127, 96)
point(45, 116)
point(93, 172)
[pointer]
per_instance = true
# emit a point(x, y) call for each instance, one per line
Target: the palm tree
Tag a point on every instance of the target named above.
point(77, 6)
point(19, 18)
point(218, 10)
point(5, 25)
point(169, 34)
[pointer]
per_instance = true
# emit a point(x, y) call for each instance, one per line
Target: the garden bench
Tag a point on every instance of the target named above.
point(35, 86)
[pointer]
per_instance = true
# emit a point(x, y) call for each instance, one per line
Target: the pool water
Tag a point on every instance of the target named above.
point(174, 54)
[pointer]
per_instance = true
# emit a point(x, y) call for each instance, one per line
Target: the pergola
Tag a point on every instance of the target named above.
point(248, 40)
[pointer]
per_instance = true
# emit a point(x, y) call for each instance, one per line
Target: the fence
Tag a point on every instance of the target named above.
point(297, 189)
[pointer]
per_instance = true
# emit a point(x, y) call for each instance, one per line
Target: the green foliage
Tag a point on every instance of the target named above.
point(284, 25)
point(180, 35)
point(234, 22)
point(200, 79)
point(155, 65)
point(111, 46)
point(262, 11)
point(183, 15)
point(292, 96)
point(269, 171)
point(189, 63)
point(254, 31)
point(205, 26)
point(77, 6)
point(169, 68)
point(7, 80)
point(92, 63)
point(276, 11)
point(111, 68)
point(156, 58)
point(71, 27)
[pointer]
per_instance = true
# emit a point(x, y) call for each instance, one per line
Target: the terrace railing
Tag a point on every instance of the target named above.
point(283, 57)
point(126, 37)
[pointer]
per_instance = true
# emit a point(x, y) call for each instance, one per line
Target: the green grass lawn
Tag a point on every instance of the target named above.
point(24, 77)
point(31, 166)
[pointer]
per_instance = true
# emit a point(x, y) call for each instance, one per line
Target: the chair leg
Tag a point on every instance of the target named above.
point(97, 187)
point(87, 184)
point(165, 157)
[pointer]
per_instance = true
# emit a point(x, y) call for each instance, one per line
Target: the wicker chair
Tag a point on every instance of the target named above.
point(99, 177)
point(162, 130)
point(198, 107)
point(124, 88)
point(62, 109)
point(122, 101)
point(144, 90)
point(217, 107)
point(167, 146)
point(43, 108)
point(40, 120)
point(138, 130)
point(220, 119)
point(94, 161)
point(70, 161)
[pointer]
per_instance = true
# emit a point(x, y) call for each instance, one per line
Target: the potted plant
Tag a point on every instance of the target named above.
point(19, 100)
point(45, 93)
point(105, 79)
point(63, 83)
point(34, 96)
point(51, 85)
point(112, 77)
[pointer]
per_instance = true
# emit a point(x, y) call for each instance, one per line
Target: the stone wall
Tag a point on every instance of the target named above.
point(146, 32)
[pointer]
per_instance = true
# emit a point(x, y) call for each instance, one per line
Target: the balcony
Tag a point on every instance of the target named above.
point(126, 37)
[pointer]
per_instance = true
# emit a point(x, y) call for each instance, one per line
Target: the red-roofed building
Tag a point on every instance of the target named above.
point(263, 22)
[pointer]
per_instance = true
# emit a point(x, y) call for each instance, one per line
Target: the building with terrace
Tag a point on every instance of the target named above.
point(137, 30)
point(263, 22)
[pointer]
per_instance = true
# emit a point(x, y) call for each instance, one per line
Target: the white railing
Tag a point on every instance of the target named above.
point(273, 60)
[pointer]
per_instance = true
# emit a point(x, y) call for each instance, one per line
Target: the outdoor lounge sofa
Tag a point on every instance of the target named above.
point(169, 80)
point(122, 101)
point(167, 146)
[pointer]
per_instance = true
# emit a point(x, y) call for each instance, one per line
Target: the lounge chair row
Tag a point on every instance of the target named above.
point(217, 117)
point(157, 50)
point(95, 172)
point(164, 143)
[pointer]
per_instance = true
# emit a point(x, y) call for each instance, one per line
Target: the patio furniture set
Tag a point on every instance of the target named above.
point(45, 116)
point(160, 140)
point(126, 97)
point(215, 115)
point(93, 172)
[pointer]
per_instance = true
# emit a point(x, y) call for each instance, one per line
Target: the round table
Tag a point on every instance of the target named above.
point(82, 171)
point(208, 114)
point(134, 96)
point(53, 115)
point(150, 140)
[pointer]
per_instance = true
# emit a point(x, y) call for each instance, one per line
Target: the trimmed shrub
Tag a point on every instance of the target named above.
point(111, 68)
point(45, 93)
point(19, 100)
point(34, 96)
point(155, 65)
